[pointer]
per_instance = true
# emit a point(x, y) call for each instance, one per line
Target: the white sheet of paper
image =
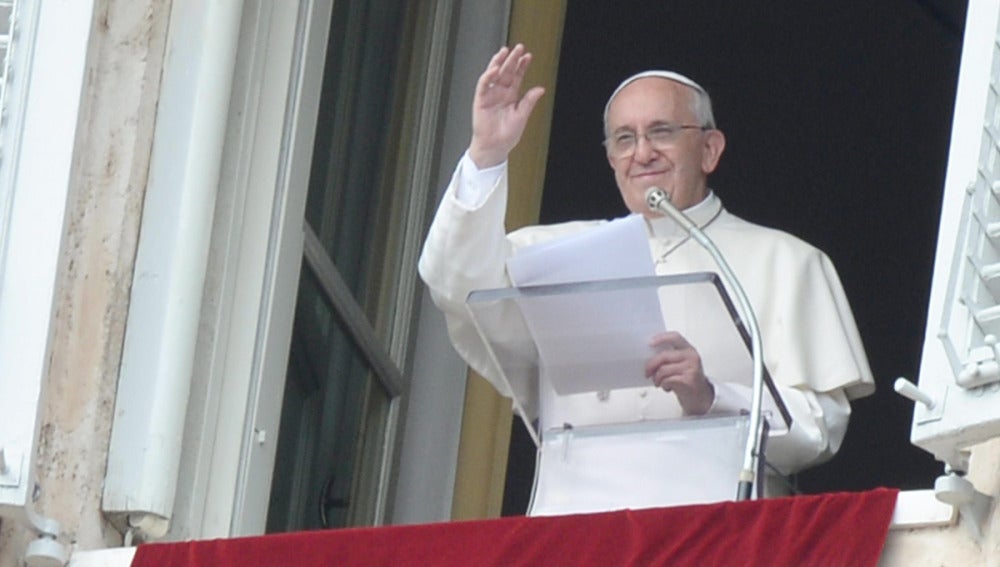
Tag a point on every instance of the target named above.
point(618, 249)
point(599, 342)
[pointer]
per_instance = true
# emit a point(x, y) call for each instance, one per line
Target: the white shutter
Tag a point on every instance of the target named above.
point(960, 369)
point(44, 48)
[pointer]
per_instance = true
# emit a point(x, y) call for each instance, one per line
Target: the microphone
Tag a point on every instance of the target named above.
point(659, 202)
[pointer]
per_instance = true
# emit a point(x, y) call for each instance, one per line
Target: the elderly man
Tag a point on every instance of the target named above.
point(659, 132)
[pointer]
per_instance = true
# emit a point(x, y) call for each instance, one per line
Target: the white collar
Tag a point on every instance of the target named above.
point(701, 214)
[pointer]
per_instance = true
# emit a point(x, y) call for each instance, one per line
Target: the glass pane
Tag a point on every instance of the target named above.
point(351, 177)
point(333, 425)
point(332, 449)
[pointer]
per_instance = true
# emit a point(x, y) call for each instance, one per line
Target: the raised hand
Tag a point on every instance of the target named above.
point(676, 367)
point(499, 112)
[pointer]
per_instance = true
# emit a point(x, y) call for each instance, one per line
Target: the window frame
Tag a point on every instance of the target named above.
point(257, 249)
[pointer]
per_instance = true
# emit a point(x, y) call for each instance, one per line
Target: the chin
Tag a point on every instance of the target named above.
point(640, 208)
point(637, 204)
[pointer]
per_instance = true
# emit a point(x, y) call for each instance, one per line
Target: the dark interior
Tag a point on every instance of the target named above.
point(837, 116)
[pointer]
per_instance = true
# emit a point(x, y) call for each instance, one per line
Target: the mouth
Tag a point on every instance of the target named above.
point(649, 179)
point(647, 175)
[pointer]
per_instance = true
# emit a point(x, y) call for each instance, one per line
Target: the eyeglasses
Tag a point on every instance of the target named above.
point(660, 137)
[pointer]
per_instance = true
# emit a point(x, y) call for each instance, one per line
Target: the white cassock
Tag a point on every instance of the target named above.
point(811, 344)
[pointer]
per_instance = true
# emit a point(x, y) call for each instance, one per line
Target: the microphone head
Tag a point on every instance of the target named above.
point(655, 196)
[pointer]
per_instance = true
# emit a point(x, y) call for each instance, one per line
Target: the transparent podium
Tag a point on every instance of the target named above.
point(572, 357)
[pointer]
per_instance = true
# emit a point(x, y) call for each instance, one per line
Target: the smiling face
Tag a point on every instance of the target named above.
point(681, 167)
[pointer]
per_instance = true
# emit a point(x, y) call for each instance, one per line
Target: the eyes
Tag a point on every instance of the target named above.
point(660, 136)
point(661, 133)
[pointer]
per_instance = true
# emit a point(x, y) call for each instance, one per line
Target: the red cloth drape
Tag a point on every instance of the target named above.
point(840, 529)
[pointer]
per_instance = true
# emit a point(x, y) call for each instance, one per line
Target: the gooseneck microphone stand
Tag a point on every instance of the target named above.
point(659, 202)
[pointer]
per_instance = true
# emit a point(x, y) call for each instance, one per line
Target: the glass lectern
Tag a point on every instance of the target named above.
point(573, 358)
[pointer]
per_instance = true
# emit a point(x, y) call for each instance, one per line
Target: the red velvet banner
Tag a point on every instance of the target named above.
point(841, 529)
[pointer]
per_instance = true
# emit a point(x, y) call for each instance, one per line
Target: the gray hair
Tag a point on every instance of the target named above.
point(701, 104)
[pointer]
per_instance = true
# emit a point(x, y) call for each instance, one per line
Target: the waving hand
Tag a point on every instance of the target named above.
point(499, 111)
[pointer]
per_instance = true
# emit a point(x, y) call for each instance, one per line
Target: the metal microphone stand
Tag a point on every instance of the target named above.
point(659, 202)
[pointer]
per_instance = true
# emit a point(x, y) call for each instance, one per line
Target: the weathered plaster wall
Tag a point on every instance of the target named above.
point(110, 168)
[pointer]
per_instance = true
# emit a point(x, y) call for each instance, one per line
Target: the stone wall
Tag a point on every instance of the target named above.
point(102, 225)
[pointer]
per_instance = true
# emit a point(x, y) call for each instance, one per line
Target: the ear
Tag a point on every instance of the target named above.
point(715, 144)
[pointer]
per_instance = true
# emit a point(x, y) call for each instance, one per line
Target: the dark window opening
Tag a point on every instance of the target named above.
point(837, 118)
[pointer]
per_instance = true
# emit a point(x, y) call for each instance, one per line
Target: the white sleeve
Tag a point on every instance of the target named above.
point(475, 185)
point(819, 423)
point(467, 249)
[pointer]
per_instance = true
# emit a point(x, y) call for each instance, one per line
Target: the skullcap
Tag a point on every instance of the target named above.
point(669, 75)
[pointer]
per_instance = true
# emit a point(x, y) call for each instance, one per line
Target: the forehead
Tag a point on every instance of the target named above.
point(651, 99)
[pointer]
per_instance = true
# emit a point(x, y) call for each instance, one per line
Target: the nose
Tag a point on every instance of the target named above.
point(644, 150)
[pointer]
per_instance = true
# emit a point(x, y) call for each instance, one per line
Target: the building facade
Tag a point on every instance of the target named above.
point(210, 240)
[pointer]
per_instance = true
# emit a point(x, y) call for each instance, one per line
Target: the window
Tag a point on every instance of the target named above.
point(344, 378)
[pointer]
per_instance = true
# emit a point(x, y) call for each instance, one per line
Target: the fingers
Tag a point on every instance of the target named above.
point(676, 367)
point(506, 69)
point(670, 347)
point(675, 361)
point(694, 391)
point(499, 111)
point(506, 74)
point(529, 100)
point(669, 340)
point(488, 79)
point(682, 368)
